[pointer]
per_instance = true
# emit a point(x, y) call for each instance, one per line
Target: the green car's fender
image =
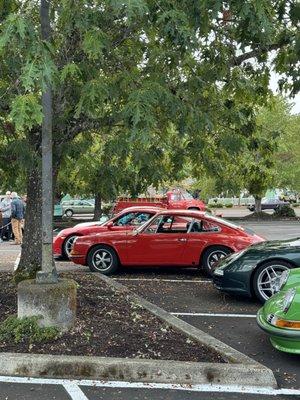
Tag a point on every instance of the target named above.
point(280, 316)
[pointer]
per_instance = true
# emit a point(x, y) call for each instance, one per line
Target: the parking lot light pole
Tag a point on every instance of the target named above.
point(48, 273)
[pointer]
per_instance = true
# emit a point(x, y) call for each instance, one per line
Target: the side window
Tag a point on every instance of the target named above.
point(210, 226)
point(176, 197)
point(155, 224)
point(169, 224)
point(124, 219)
point(134, 219)
point(200, 226)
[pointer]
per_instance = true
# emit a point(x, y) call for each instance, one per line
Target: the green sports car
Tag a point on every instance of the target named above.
point(256, 271)
point(280, 316)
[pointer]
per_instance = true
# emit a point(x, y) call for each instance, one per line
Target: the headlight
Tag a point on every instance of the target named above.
point(219, 272)
point(281, 280)
point(288, 298)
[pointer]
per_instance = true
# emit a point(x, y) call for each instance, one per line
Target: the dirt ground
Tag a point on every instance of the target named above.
point(108, 324)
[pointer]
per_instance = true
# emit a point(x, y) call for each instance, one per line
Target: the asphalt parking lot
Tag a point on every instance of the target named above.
point(190, 296)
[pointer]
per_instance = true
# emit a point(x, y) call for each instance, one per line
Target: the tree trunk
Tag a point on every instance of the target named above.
point(257, 204)
point(31, 257)
point(98, 210)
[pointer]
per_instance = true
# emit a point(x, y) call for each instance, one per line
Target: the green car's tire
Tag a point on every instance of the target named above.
point(212, 255)
point(103, 259)
point(265, 276)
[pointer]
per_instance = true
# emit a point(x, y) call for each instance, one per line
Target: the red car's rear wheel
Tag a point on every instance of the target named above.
point(212, 255)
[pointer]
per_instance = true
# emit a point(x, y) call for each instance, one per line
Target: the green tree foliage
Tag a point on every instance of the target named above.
point(105, 166)
point(138, 65)
point(256, 158)
point(287, 161)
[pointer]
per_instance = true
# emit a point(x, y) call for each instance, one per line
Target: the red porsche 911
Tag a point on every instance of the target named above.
point(170, 238)
point(130, 218)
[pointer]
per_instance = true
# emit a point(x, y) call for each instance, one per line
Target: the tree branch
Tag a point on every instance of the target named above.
point(238, 60)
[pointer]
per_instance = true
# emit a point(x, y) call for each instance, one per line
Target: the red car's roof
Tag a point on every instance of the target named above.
point(192, 213)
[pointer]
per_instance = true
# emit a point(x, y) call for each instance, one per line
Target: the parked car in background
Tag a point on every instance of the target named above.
point(254, 272)
point(280, 316)
point(269, 204)
point(70, 207)
point(130, 218)
point(182, 238)
point(174, 199)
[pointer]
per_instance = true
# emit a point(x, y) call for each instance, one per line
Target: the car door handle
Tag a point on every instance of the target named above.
point(182, 240)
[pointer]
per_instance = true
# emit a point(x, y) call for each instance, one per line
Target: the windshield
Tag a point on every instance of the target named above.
point(187, 195)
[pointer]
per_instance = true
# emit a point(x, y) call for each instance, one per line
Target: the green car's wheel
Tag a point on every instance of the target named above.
point(266, 277)
point(211, 256)
point(103, 259)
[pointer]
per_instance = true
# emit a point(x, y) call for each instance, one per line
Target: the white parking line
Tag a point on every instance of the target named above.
point(9, 250)
point(72, 385)
point(165, 280)
point(213, 315)
point(74, 391)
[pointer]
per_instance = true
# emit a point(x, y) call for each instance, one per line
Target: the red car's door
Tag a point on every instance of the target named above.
point(161, 243)
point(156, 249)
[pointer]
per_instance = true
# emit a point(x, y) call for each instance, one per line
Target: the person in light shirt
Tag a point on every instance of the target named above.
point(5, 208)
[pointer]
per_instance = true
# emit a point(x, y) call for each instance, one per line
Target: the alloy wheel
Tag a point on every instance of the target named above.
point(102, 260)
point(267, 280)
point(215, 256)
point(69, 244)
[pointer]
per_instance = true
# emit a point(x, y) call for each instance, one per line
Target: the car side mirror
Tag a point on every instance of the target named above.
point(110, 225)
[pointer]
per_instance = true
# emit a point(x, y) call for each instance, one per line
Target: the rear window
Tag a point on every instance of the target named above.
point(223, 221)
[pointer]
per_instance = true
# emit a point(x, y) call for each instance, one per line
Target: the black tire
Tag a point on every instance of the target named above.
point(69, 213)
point(107, 253)
point(251, 208)
point(263, 291)
point(213, 253)
point(66, 246)
point(194, 209)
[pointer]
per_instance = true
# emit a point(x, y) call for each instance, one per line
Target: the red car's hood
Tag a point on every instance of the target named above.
point(83, 230)
point(108, 234)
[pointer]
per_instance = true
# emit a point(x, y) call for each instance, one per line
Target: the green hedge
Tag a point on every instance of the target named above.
point(285, 211)
point(216, 205)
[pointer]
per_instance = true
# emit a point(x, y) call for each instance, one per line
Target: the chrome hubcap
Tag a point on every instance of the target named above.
point(102, 260)
point(268, 279)
point(69, 245)
point(214, 257)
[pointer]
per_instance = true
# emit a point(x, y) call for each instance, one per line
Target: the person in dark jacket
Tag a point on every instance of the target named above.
point(17, 217)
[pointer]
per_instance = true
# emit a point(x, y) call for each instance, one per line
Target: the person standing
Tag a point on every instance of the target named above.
point(5, 208)
point(17, 216)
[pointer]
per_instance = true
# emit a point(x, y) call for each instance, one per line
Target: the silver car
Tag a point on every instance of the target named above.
point(71, 207)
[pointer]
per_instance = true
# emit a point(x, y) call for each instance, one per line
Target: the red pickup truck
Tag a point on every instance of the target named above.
point(174, 199)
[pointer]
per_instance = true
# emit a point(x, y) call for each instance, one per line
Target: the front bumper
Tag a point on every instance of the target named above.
point(78, 259)
point(232, 283)
point(57, 246)
point(286, 340)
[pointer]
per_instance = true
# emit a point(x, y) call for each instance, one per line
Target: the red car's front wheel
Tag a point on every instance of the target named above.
point(103, 259)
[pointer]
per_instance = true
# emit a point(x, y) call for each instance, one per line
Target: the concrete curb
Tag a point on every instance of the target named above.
point(239, 370)
point(134, 370)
